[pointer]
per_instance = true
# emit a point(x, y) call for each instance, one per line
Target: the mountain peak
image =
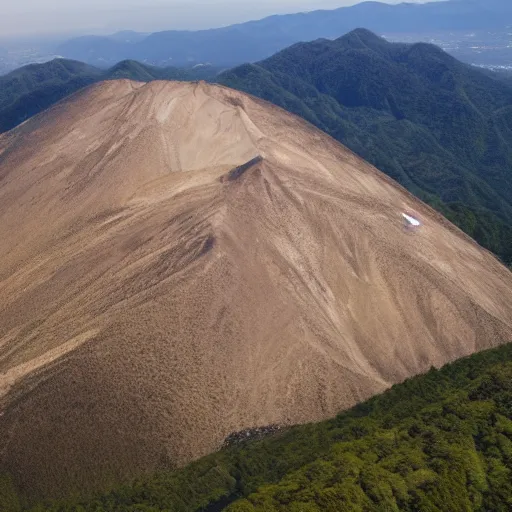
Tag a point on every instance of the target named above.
point(182, 261)
point(363, 34)
point(362, 38)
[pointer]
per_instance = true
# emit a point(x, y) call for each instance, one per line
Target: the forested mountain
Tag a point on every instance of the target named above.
point(439, 442)
point(441, 128)
point(27, 91)
point(255, 40)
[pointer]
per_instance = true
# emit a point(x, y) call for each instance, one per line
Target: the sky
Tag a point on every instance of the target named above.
point(36, 17)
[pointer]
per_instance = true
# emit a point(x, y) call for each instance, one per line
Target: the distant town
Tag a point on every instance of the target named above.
point(491, 50)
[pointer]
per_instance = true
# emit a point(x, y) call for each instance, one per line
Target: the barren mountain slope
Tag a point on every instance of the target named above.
point(156, 296)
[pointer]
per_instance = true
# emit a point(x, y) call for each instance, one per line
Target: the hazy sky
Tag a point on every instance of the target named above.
point(21, 17)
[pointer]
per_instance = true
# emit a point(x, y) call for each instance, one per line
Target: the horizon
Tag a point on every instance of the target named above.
point(37, 19)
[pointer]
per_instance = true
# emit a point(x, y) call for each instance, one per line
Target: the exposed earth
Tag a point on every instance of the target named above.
point(180, 261)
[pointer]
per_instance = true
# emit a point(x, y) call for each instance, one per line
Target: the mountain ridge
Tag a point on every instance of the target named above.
point(255, 40)
point(404, 143)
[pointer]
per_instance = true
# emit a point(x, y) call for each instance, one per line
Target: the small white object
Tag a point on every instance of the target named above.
point(411, 220)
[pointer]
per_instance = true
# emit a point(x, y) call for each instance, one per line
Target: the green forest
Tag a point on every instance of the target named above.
point(441, 128)
point(437, 442)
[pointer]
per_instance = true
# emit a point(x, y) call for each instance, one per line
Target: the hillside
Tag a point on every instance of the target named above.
point(181, 261)
point(440, 128)
point(27, 91)
point(32, 89)
point(441, 441)
point(256, 40)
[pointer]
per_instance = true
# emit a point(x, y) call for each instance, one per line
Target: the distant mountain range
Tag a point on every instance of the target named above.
point(256, 40)
point(441, 128)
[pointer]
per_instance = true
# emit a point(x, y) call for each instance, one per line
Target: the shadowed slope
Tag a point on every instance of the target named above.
point(159, 293)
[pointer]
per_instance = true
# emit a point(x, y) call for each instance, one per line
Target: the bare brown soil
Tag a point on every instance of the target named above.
point(157, 294)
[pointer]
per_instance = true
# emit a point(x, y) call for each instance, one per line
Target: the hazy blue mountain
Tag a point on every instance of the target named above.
point(441, 128)
point(29, 90)
point(128, 36)
point(255, 40)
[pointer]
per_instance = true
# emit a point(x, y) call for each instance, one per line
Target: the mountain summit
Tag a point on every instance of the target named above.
point(181, 261)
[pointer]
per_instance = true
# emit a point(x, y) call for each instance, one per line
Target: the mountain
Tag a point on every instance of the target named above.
point(31, 89)
point(128, 36)
point(182, 261)
point(256, 40)
point(440, 441)
point(439, 127)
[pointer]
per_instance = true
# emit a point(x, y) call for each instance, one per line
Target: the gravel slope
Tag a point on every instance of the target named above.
point(157, 297)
